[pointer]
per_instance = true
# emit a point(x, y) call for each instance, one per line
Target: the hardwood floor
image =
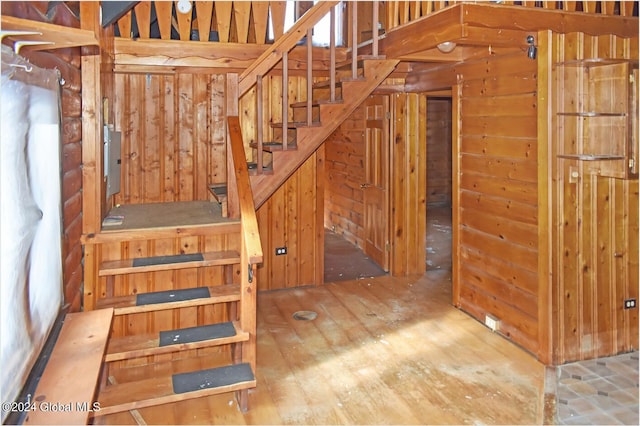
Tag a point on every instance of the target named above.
point(381, 351)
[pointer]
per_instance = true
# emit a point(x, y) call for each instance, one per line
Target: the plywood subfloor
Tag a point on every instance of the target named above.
point(381, 351)
point(159, 215)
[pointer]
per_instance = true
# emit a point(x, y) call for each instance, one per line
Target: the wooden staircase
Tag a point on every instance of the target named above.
point(304, 138)
point(237, 331)
point(237, 376)
point(328, 104)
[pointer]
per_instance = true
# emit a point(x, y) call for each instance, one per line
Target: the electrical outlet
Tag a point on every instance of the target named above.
point(492, 322)
point(629, 303)
point(280, 251)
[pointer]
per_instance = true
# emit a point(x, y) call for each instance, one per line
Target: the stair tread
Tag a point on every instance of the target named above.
point(273, 146)
point(297, 124)
point(170, 262)
point(315, 103)
point(129, 304)
point(128, 347)
point(177, 387)
point(219, 191)
point(325, 83)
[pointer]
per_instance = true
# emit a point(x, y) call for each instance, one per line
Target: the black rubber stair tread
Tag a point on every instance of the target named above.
point(212, 378)
point(219, 191)
point(129, 304)
point(163, 260)
point(169, 296)
point(135, 346)
point(160, 390)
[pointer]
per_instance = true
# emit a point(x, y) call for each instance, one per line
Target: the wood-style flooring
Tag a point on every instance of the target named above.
point(381, 351)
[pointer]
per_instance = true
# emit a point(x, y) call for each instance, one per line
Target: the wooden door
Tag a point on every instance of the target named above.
point(376, 184)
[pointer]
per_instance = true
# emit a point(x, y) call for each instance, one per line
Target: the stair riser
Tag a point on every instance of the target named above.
point(324, 93)
point(277, 135)
point(300, 114)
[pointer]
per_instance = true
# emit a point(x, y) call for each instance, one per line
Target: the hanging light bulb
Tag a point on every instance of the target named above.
point(446, 46)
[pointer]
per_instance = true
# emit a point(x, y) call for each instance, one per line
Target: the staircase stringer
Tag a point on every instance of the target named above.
point(309, 139)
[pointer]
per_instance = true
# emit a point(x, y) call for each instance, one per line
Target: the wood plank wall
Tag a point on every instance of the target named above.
point(292, 218)
point(495, 205)
point(67, 61)
point(345, 150)
point(173, 136)
point(439, 150)
point(173, 145)
point(595, 234)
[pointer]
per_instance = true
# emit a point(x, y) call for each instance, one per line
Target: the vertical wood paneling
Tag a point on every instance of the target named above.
point(290, 219)
point(595, 231)
point(173, 136)
point(408, 184)
point(497, 165)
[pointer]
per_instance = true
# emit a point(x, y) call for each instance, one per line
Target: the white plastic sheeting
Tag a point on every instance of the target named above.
point(30, 217)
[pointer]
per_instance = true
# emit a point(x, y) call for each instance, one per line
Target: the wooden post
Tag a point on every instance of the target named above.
point(285, 98)
point(309, 77)
point(354, 40)
point(259, 138)
point(332, 53)
point(374, 30)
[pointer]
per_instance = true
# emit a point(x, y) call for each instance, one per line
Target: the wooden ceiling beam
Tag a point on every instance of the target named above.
point(534, 19)
point(174, 53)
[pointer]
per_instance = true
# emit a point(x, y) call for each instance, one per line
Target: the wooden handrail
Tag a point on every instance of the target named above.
point(273, 55)
point(249, 223)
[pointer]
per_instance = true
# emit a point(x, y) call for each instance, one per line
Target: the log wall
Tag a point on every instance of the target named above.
point(439, 150)
point(345, 150)
point(496, 195)
point(595, 234)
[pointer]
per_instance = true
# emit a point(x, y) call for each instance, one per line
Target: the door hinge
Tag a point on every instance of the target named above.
point(387, 246)
point(631, 79)
point(388, 115)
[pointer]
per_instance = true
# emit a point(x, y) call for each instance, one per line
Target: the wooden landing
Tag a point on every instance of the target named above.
point(382, 351)
point(160, 215)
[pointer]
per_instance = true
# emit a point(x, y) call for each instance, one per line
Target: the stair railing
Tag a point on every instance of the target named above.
point(278, 54)
point(250, 247)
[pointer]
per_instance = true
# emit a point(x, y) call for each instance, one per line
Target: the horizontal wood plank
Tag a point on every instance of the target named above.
point(123, 305)
point(71, 375)
point(135, 346)
point(154, 391)
point(126, 266)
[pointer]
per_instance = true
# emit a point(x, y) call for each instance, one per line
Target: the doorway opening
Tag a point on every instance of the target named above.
point(438, 238)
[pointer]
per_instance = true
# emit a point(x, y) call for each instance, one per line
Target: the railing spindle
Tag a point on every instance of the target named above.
point(259, 136)
point(374, 34)
point(285, 99)
point(332, 54)
point(309, 76)
point(354, 39)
